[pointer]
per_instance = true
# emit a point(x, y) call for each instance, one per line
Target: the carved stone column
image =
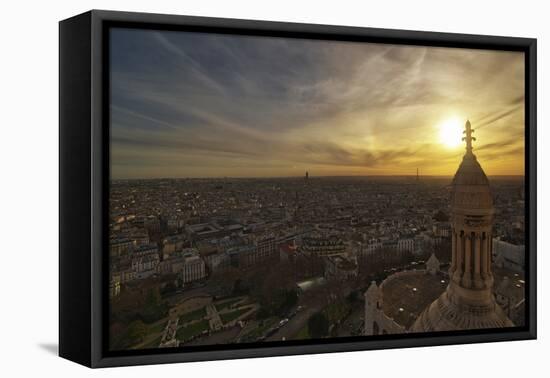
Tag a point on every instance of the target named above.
point(478, 282)
point(467, 276)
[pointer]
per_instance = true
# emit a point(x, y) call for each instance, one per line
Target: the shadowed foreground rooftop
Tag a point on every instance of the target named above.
point(399, 293)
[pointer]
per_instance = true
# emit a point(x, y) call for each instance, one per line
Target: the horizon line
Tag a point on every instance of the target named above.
point(302, 176)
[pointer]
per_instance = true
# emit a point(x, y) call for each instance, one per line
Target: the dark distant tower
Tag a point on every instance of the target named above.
point(307, 175)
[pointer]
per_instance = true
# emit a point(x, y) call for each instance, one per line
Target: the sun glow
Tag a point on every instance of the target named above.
point(450, 133)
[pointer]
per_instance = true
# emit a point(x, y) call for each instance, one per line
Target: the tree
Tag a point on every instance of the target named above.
point(353, 296)
point(225, 280)
point(168, 289)
point(440, 216)
point(153, 308)
point(240, 288)
point(318, 325)
point(153, 297)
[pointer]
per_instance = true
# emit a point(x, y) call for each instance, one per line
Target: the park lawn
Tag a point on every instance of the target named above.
point(229, 316)
point(157, 327)
point(122, 340)
point(303, 334)
point(226, 304)
point(153, 337)
point(193, 315)
point(186, 332)
point(260, 330)
point(153, 343)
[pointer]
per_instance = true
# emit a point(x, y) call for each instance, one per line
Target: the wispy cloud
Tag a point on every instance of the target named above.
point(192, 104)
point(493, 118)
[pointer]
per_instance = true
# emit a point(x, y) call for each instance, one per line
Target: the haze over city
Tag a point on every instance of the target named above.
point(206, 105)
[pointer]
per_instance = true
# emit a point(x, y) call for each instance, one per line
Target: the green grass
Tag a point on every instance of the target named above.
point(154, 343)
point(229, 316)
point(193, 315)
point(186, 332)
point(154, 335)
point(226, 304)
point(303, 334)
point(157, 328)
point(261, 329)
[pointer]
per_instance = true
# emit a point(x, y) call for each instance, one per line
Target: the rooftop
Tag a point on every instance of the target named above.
point(406, 296)
point(342, 263)
point(515, 285)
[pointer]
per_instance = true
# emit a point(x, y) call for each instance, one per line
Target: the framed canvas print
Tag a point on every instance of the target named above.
point(234, 188)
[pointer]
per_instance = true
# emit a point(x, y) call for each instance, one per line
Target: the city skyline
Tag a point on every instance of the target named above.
point(203, 105)
point(411, 176)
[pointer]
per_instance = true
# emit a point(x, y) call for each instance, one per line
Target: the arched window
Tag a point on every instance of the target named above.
point(375, 328)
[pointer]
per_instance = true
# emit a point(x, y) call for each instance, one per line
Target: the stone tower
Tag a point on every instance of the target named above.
point(468, 302)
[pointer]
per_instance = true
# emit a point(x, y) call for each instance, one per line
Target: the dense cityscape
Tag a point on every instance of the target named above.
point(284, 189)
point(238, 260)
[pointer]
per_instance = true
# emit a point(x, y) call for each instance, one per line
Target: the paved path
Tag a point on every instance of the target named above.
point(215, 321)
point(169, 336)
point(295, 325)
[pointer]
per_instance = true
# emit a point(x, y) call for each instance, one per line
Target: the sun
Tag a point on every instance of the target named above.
point(450, 133)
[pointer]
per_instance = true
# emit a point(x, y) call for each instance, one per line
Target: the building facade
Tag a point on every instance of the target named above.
point(193, 268)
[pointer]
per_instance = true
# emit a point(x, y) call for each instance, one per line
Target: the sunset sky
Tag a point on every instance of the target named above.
point(206, 105)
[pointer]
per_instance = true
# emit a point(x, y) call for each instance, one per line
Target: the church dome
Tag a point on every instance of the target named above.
point(470, 186)
point(470, 173)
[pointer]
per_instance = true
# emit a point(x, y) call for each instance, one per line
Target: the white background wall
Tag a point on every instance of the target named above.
point(29, 188)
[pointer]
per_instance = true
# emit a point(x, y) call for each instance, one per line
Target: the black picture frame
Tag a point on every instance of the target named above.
point(84, 184)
